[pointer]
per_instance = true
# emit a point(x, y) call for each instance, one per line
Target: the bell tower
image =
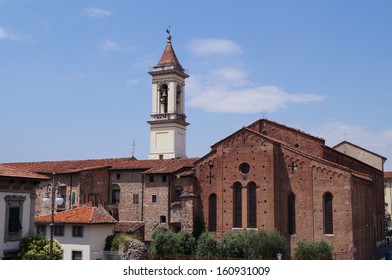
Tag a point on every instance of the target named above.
point(168, 120)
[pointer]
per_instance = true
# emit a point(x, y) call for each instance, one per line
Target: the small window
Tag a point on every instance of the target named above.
point(151, 178)
point(76, 255)
point(135, 198)
point(59, 230)
point(41, 229)
point(77, 231)
point(163, 219)
point(160, 156)
point(244, 168)
point(164, 178)
point(118, 176)
point(116, 196)
point(177, 194)
point(154, 198)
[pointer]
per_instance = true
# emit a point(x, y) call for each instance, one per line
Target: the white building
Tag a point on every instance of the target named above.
point(81, 232)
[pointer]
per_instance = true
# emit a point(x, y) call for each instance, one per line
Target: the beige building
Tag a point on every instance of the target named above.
point(361, 154)
point(17, 207)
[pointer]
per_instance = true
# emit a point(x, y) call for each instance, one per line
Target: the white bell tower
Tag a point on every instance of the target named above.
point(167, 122)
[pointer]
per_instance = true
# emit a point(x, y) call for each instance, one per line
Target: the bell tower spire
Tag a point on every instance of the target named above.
point(167, 119)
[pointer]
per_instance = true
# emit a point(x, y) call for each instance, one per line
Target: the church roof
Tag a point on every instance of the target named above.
point(80, 215)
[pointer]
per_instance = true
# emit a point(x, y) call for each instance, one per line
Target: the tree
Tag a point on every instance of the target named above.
point(239, 244)
point(186, 243)
point(306, 250)
point(164, 242)
point(207, 246)
point(270, 244)
point(36, 247)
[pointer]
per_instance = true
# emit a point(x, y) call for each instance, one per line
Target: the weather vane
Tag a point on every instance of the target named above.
point(168, 32)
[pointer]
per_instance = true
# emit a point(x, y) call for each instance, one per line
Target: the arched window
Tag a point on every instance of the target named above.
point(115, 193)
point(163, 97)
point(252, 205)
point(328, 214)
point(212, 213)
point(237, 205)
point(291, 214)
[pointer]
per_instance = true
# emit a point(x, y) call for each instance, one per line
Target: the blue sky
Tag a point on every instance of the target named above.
point(74, 82)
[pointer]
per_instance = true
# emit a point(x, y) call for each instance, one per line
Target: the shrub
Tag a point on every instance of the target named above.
point(164, 242)
point(207, 246)
point(186, 243)
point(36, 247)
point(306, 250)
point(239, 245)
point(270, 244)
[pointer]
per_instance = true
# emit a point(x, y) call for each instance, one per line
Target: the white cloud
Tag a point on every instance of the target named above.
point(211, 46)
point(97, 12)
point(228, 91)
point(7, 35)
point(110, 46)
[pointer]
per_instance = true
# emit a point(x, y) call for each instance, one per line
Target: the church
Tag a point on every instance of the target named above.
point(264, 176)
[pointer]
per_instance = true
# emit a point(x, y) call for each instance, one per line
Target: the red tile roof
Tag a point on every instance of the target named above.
point(388, 174)
point(128, 227)
point(169, 56)
point(72, 166)
point(81, 215)
point(9, 171)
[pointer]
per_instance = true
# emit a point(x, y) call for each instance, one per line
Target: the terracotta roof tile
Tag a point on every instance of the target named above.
point(81, 215)
point(388, 174)
point(127, 227)
point(9, 171)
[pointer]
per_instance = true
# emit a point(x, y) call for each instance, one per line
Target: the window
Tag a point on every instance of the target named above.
point(244, 168)
point(13, 217)
point(151, 178)
point(76, 255)
point(291, 214)
point(58, 230)
point(237, 200)
point(118, 176)
point(77, 231)
point(162, 219)
point(252, 205)
point(154, 198)
point(212, 213)
point(328, 215)
point(41, 229)
point(177, 193)
point(115, 194)
point(135, 198)
point(164, 178)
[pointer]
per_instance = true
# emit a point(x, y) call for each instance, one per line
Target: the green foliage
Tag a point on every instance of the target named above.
point(108, 242)
point(36, 247)
point(122, 238)
point(239, 245)
point(198, 227)
point(186, 243)
point(207, 246)
point(306, 250)
point(270, 244)
point(164, 242)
